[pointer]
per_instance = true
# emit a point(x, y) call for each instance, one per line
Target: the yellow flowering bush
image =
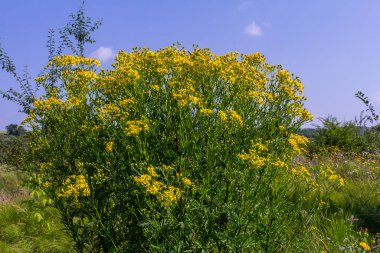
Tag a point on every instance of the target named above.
point(172, 151)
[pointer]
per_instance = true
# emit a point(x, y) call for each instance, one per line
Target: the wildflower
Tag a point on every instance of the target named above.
point(127, 101)
point(256, 157)
point(155, 87)
point(166, 194)
point(301, 170)
point(235, 118)
point(206, 112)
point(46, 185)
point(222, 115)
point(143, 180)
point(154, 188)
point(67, 60)
point(282, 128)
point(332, 176)
point(72, 102)
point(109, 146)
point(186, 96)
point(280, 164)
point(134, 127)
point(297, 142)
point(253, 159)
point(109, 110)
point(186, 181)
point(75, 186)
point(365, 246)
point(152, 171)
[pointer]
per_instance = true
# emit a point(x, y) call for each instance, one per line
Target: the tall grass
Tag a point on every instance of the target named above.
point(20, 231)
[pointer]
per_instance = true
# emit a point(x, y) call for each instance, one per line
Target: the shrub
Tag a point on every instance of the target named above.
point(171, 151)
point(352, 136)
point(168, 151)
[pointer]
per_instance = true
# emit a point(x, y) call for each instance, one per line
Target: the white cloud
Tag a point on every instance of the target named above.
point(244, 5)
point(103, 53)
point(253, 29)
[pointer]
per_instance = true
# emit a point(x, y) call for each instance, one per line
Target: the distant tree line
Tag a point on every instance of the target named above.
point(15, 130)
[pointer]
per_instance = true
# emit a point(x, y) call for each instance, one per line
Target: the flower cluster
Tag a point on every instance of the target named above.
point(72, 60)
point(298, 142)
point(231, 117)
point(166, 194)
point(258, 156)
point(75, 186)
point(134, 127)
point(332, 176)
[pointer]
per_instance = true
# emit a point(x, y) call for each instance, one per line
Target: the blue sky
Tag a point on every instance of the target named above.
point(333, 46)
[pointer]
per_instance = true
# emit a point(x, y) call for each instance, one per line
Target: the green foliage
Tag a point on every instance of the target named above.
point(20, 232)
point(346, 137)
point(335, 135)
point(19, 229)
point(76, 33)
point(307, 132)
point(341, 235)
point(352, 136)
point(349, 213)
point(13, 149)
point(9, 181)
point(360, 194)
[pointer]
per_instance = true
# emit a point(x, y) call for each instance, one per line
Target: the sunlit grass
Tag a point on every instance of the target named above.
point(350, 213)
point(19, 230)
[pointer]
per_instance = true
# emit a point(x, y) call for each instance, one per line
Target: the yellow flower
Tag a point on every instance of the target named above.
point(332, 176)
point(280, 164)
point(152, 171)
point(144, 179)
point(206, 112)
point(222, 115)
point(46, 184)
point(67, 60)
point(134, 127)
point(155, 87)
point(298, 142)
point(166, 194)
point(282, 128)
point(109, 146)
point(186, 181)
point(75, 186)
point(235, 118)
point(365, 246)
point(256, 157)
point(301, 170)
point(127, 101)
point(254, 160)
